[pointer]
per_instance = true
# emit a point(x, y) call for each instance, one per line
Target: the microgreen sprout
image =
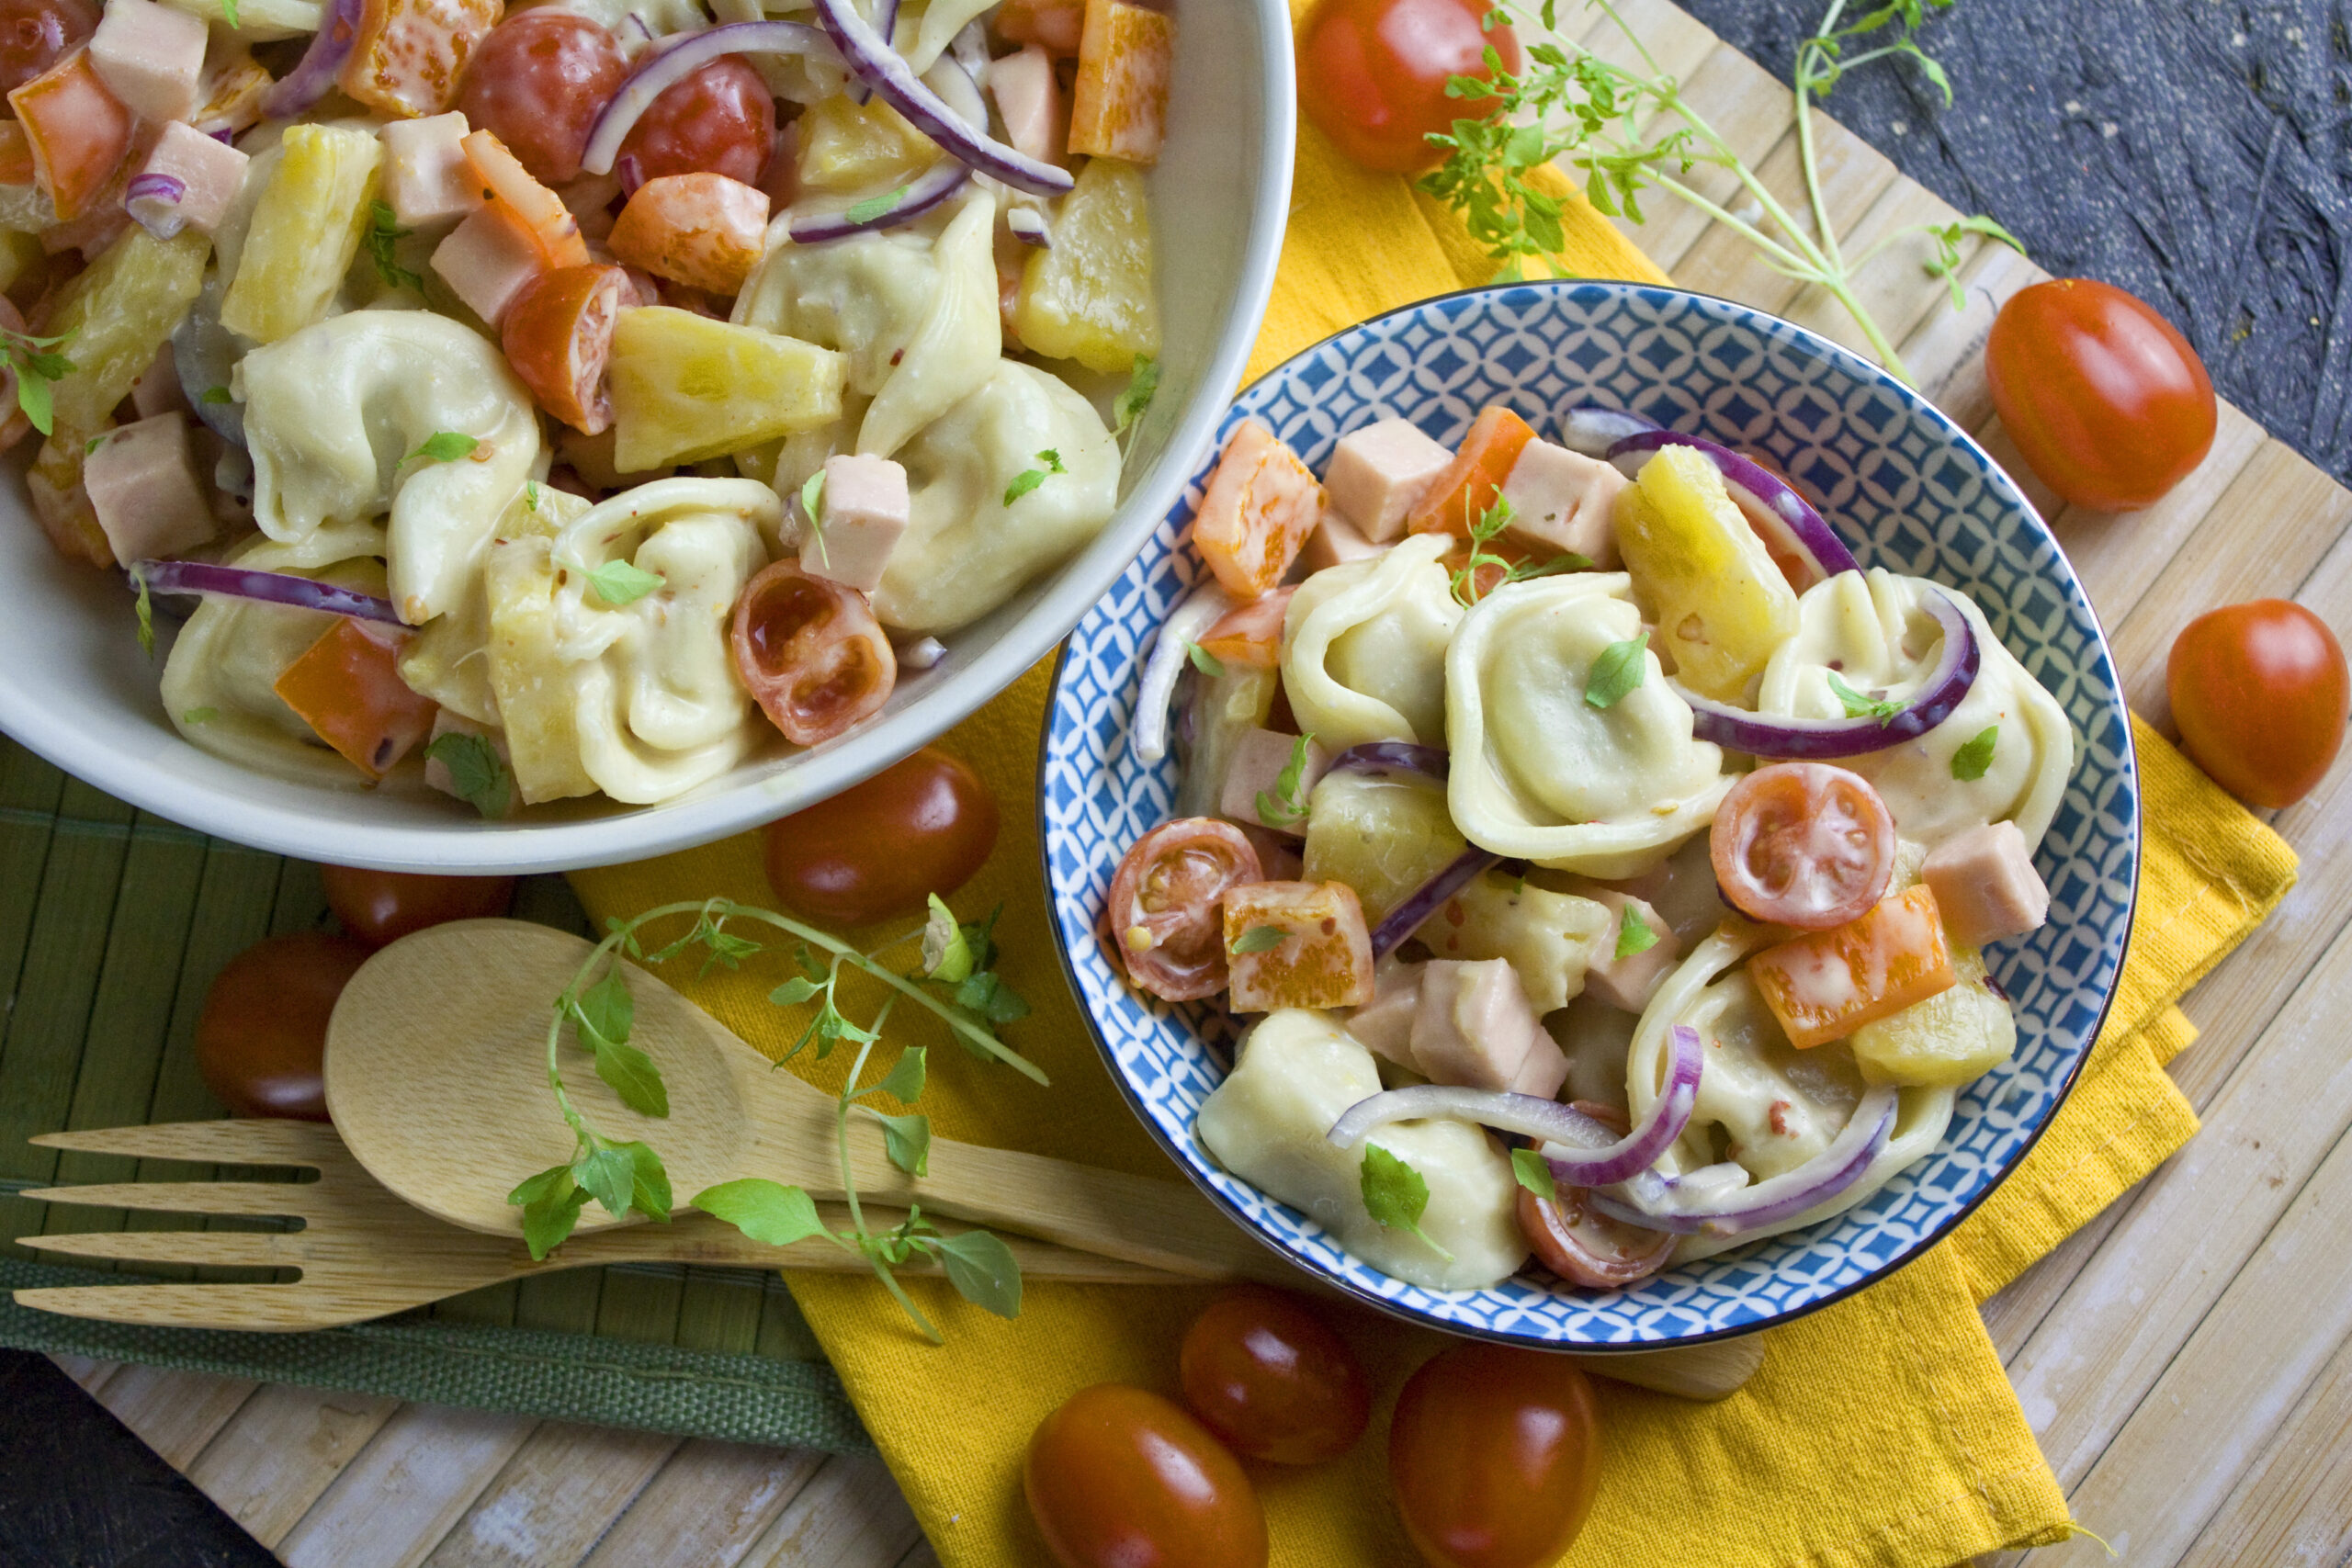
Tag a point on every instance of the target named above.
point(1143, 384)
point(1857, 706)
point(382, 233)
point(1467, 590)
point(1285, 805)
point(1030, 479)
point(37, 364)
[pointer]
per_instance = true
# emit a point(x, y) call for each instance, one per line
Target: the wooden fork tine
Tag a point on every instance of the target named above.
point(226, 1250)
point(202, 1306)
point(207, 1143)
point(287, 1199)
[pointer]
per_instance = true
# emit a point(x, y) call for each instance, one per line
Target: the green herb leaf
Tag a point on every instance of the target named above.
point(475, 770)
point(229, 10)
point(650, 1192)
point(546, 1223)
point(792, 992)
point(215, 395)
point(1859, 706)
point(619, 582)
point(633, 1076)
point(445, 446)
point(1030, 479)
point(1207, 663)
point(1394, 1195)
point(609, 1175)
point(1535, 1173)
point(983, 1270)
point(990, 998)
point(531, 495)
point(946, 956)
point(875, 206)
point(1619, 670)
point(145, 611)
point(1968, 764)
point(606, 1011)
point(1634, 934)
point(904, 1080)
point(32, 392)
point(200, 716)
point(906, 1140)
point(553, 1182)
point(383, 232)
point(1143, 384)
point(1286, 805)
point(92, 445)
point(767, 1211)
point(1260, 939)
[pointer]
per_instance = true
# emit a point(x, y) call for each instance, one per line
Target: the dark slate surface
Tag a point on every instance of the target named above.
point(2198, 153)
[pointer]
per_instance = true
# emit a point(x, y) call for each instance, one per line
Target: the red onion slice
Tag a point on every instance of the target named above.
point(154, 202)
point(872, 57)
point(885, 24)
point(1827, 739)
point(934, 185)
point(269, 587)
point(1580, 1151)
point(675, 63)
point(314, 76)
point(1386, 757)
point(1208, 605)
point(1427, 899)
point(1785, 519)
point(1029, 227)
point(1654, 1204)
point(1593, 430)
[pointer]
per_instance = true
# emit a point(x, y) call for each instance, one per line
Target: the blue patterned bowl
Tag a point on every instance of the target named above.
point(1909, 490)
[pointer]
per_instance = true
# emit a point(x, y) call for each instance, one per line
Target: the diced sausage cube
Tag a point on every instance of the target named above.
point(210, 172)
point(1336, 542)
point(1985, 885)
point(487, 260)
point(1030, 99)
point(142, 484)
point(1380, 473)
point(1261, 505)
point(1323, 958)
point(1824, 985)
point(1476, 1027)
point(1629, 982)
point(1563, 503)
point(1253, 793)
point(426, 176)
point(150, 57)
point(864, 509)
point(1385, 1024)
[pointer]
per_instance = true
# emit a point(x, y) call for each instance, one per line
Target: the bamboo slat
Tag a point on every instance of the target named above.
point(709, 1506)
point(392, 1504)
point(849, 1515)
point(287, 1445)
point(562, 1490)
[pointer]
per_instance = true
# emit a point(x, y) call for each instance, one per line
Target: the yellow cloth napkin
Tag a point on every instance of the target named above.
point(1880, 1430)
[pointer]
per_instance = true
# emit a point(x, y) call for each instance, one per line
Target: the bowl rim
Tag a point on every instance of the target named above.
point(1928, 1237)
point(721, 810)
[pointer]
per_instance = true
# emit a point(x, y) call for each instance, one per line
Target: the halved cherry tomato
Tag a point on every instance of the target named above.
point(1583, 1246)
point(1803, 845)
point(1120, 1478)
point(922, 826)
point(533, 210)
point(262, 1038)
point(2259, 691)
point(812, 653)
point(720, 120)
point(1493, 1455)
point(382, 907)
point(1823, 986)
point(407, 55)
point(1249, 638)
point(704, 230)
point(2103, 396)
point(348, 687)
point(78, 132)
point(539, 82)
point(1255, 516)
point(1466, 489)
point(1119, 103)
point(1166, 917)
point(1263, 1370)
point(558, 336)
point(37, 34)
point(1372, 74)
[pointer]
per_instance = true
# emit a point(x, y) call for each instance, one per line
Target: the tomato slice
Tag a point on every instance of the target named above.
point(1466, 488)
point(407, 54)
point(1585, 1248)
point(1249, 638)
point(348, 687)
point(812, 653)
point(559, 335)
point(1166, 908)
point(1803, 845)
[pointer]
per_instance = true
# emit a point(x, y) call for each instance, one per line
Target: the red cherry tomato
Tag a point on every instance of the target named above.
point(2259, 691)
point(262, 1038)
point(1372, 74)
point(1165, 914)
point(1586, 1248)
point(720, 120)
point(538, 81)
point(37, 34)
point(1265, 1373)
point(2103, 396)
point(559, 335)
point(1494, 1456)
point(382, 907)
point(874, 851)
point(812, 653)
point(1121, 1478)
point(1803, 845)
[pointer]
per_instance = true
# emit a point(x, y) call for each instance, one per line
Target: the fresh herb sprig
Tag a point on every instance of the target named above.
point(38, 363)
point(1143, 384)
point(383, 232)
point(1617, 670)
point(1467, 591)
point(477, 771)
point(1396, 1195)
point(1028, 479)
point(1285, 805)
point(1858, 705)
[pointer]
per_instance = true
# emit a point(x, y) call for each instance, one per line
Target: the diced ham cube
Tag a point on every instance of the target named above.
point(1563, 503)
point(1261, 505)
point(427, 179)
point(486, 261)
point(1380, 473)
point(1253, 793)
point(1031, 102)
point(157, 391)
point(210, 172)
point(1476, 1027)
point(1385, 1024)
point(150, 57)
point(1248, 637)
point(1335, 542)
point(1630, 982)
point(142, 485)
point(1323, 956)
point(701, 230)
point(1824, 985)
point(1985, 885)
point(865, 510)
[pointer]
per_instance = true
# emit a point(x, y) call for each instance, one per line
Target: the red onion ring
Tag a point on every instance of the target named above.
point(1029, 227)
point(314, 76)
point(1783, 1197)
point(1425, 900)
point(926, 191)
point(153, 201)
point(1783, 516)
point(674, 64)
point(1827, 739)
point(267, 587)
point(1169, 658)
point(886, 23)
point(1593, 430)
point(1393, 757)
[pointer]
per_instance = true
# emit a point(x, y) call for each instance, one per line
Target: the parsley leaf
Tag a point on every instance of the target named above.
point(1030, 479)
point(1535, 1173)
point(1142, 386)
point(1618, 670)
point(1286, 805)
point(476, 771)
point(875, 206)
point(1204, 661)
point(445, 446)
point(1394, 1195)
point(619, 582)
point(1968, 764)
point(1859, 706)
point(1260, 939)
point(1634, 934)
point(382, 233)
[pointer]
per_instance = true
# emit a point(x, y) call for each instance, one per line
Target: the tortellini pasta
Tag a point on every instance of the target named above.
point(335, 416)
point(1363, 647)
point(1298, 1071)
point(640, 700)
point(968, 548)
point(1540, 773)
point(1873, 630)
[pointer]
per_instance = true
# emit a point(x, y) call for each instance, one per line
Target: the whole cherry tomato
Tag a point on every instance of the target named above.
point(1121, 1478)
point(721, 120)
point(262, 1038)
point(2102, 395)
point(810, 652)
point(1372, 74)
point(1263, 1372)
point(2259, 691)
point(538, 81)
point(559, 335)
point(1803, 845)
point(382, 907)
point(1166, 911)
point(874, 851)
point(37, 34)
point(1493, 1455)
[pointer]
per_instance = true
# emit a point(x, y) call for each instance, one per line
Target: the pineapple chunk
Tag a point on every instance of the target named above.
point(685, 388)
point(1704, 577)
point(1381, 837)
point(62, 503)
point(20, 257)
point(115, 315)
point(1090, 297)
point(1952, 1038)
point(305, 231)
point(855, 148)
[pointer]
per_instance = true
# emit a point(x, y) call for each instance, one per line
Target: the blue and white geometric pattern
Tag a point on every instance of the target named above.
point(1905, 488)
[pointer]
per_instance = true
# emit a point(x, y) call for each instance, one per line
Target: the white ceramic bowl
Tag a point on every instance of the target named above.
point(76, 688)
